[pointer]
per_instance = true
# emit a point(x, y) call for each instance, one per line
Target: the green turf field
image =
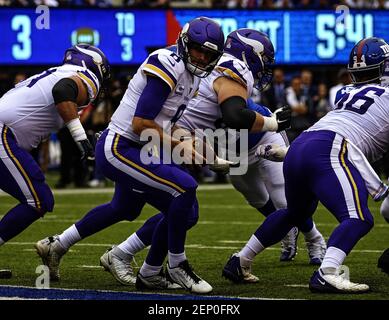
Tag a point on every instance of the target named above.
point(226, 222)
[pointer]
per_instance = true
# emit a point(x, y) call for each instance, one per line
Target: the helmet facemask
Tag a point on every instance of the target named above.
point(200, 46)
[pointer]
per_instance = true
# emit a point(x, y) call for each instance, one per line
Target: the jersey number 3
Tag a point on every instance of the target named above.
point(361, 95)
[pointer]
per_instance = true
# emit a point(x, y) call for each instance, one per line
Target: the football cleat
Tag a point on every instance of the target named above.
point(118, 263)
point(238, 270)
point(51, 252)
point(289, 245)
point(334, 283)
point(159, 281)
point(316, 250)
point(184, 276)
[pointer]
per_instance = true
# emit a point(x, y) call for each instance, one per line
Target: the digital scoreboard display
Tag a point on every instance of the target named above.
point(304, 37)
point(123, 36)
point(126, 36)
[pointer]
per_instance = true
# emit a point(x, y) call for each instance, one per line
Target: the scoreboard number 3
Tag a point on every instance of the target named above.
point(22, 25)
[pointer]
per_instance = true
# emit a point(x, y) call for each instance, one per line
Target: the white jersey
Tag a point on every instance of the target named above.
point(362, 115)
point(203, 111)
point(29, 109)
point(165, 64)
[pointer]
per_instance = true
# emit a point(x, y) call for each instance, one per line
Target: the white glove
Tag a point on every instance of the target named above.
point(272, 152)
point(221, 165)
point(382, 193)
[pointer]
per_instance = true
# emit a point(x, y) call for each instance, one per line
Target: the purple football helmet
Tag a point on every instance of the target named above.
point(90, 57)
point(206, 37)
point(368, 60)
point(255, 49)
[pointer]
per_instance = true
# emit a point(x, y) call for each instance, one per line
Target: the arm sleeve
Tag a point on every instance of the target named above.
point(65, 90)
point(152, 98)
point(235, 113)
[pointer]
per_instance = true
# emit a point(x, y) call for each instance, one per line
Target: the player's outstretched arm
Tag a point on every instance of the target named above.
point(68, 94)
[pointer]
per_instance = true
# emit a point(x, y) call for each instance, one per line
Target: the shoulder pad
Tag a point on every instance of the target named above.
point(166, 65)
point(91, 82)
point(235, 70)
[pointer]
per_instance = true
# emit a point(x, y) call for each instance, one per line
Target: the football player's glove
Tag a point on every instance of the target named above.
point(284, 117)
point(272, 152)
point(383, 261)
point(87, 151)
point(222, 165)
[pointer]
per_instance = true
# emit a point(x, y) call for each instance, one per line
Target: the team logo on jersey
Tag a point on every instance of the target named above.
point(180, 90)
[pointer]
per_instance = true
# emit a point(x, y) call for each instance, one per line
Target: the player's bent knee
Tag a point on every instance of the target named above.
point(46, 202)
point(194, 216)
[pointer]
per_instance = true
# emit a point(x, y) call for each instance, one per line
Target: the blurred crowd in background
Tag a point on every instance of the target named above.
point(230, 4)
point(309, 91)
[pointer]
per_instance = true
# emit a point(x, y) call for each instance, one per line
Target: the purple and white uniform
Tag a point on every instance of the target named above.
point(126, 162)
point(27, 116)
point(319, 166)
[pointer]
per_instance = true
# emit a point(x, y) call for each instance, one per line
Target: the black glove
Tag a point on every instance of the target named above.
point(283, 117)
point(383, 261)
point(87, 151)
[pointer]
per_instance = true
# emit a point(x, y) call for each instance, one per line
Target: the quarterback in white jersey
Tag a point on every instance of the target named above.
point(166, 65)
point(155, 99)
point(36, 107)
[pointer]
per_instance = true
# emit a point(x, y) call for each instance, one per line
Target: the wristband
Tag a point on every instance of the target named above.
point(269, 124)
point(76, 130)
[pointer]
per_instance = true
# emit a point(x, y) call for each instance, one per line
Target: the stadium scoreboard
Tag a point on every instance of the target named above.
point(31, 37)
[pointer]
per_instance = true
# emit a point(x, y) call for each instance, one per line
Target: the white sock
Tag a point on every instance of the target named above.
point(312, 234)
point(175, 259)
point(147, 270)
point(1, 242)
point(252, 248)
point(132, 245)
point(333, 259)
point(69, 237)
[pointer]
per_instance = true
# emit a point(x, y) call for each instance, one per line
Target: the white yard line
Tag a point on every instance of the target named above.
point(110, 190)
point(297, 285)
point(189, 246)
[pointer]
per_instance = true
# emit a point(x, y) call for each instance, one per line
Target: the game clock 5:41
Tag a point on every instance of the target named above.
point(40, 37)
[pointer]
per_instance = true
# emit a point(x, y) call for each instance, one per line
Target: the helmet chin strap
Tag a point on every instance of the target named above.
point(193, 69)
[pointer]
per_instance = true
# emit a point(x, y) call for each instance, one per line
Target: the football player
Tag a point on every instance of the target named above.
point(155, 99)
point(36, 107)
point(222, 99)
point(329, 163)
